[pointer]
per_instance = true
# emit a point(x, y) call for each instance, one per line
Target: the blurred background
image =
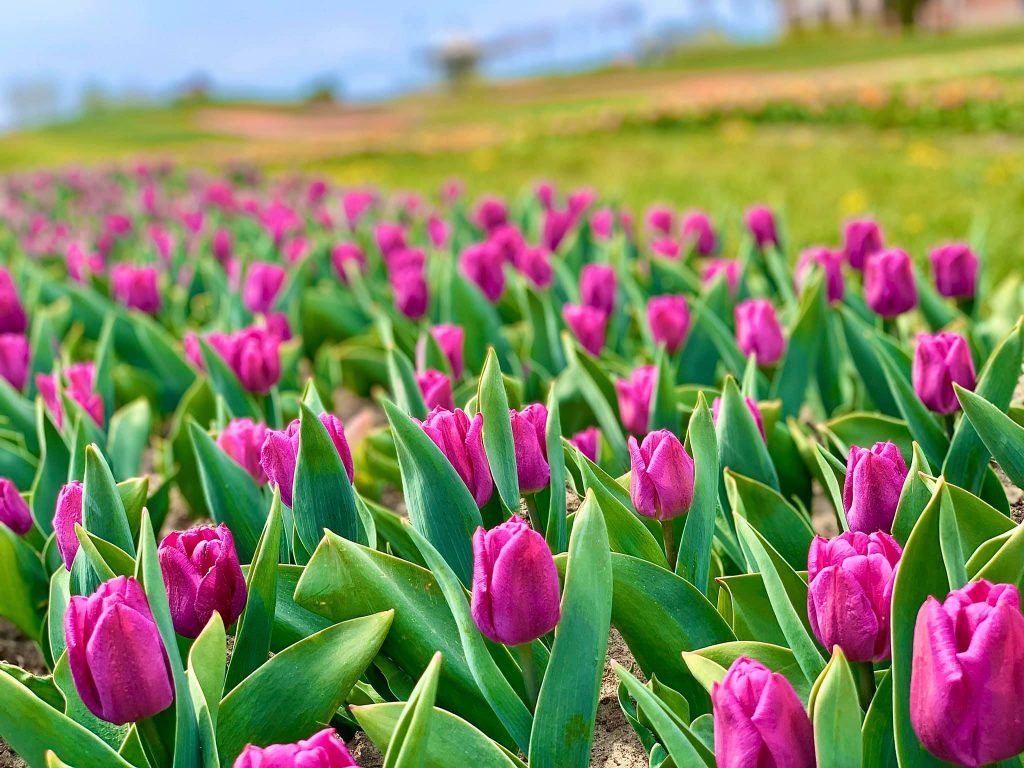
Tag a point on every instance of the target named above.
point(910, 110)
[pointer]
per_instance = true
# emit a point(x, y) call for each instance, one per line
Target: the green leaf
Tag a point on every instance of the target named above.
point(709, 665)
point(694, 562)
point(407, 747)
point(129, 435)
point(877, 745)
point(1001, 435)
point(404, 385)
point(827, 473)
point(836, 715)
point(52, 472)
point(23, 594)
point(599, 394)
point(557, 527)
point(798, 366)
point(498, 443)
point(913, 498)
point(785, 528)
point(206, 662)
point(19, 414)
point(740, 446)
point(663, 412)
point(859, 338)
point(103, 512)
point(75, 708)
point(226, 384)
point(866, 429)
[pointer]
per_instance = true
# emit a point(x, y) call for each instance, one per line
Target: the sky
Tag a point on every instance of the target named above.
point(277, 48)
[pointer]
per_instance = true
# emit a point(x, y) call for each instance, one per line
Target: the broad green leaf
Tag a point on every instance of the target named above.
point(226, 384)
point(75, 708)
point(743, 602)
point(18, 414)
point(798, 366)
point(878, 747)
point(859, 338)
point(206, 662)
point(694, 561)
point(557, 528)
point(787, 529)
point(740, 447)
point(103, 512)
point(129, 435)
point(663, 412)
point(599, 394)
point(404, 385)
point(498, 441)
point(52, 472)
point(913, 498)
point(23, 595)
point(709, 665)
point(1001, 435)
point(836, 715)
point(408, 745)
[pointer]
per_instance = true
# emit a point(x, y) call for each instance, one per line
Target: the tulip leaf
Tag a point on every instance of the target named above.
point(75, 708)
point(556, 533)
point(498, 442)
point(913, 498)
point(788, 530)
point(226, 384)
point(828, 475)
point(694, 561)
point(713, 327)
point(103, 359)
point(709, 665)
point(743, 602)
point(545, 347)
point(836, 715)
point(740, 446)
point(599, 394)
point(479, 320)
point(1006, 566)
point(404, 385)
point(52, 470)
point(303, 685)
point(1001, 434)
point(878, 747)
point(23, 593)
point(19, 414)
point(173, 374)
point(663, 413)
point(206, 662)
point(859, 337)
point(430, 483)
point(798, 366)
point(103, 512)
point(407, 747)
point(129, 435)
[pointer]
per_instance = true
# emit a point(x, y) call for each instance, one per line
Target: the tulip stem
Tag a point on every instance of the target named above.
point(951, 423)
point(531, 678)
point(670, 543)
point(865, 683)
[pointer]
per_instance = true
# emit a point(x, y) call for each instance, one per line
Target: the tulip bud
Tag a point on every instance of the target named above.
point(12, 315)
point(115, 653)
point(436, 389)
point(481, 264)
point(342, 254)
point(491, 213)
point(861, 238)
point(889, 286)
point(256, 359)
point(874, 481)
point(557, 224)
point(602, 223)
point(941, 360)
point(752, 406)
point(758, 331)
point(660, 219)
point(545, 192)
point(634, 396)
point(731, 268)
point(355, 203)
point(450, 339)
point(14, 512)
point(956, 270)
point(667, 248)
point(759, 720)
point(67, 515)
point(409, 284)
point(462, 442)
point(202, 575)
point(760, 222)
point(669, 319)
point(849, 594)
point(80, 378)
point(515, 584)
point(529, 428)
point(438, 231)
point(831, 262)
point(136, 287)
point(221, 245)
point(14, 357)
point(597, 287)
point(262, 284)
point(968, 674)
point(242, 440)
point(588, 326)
point(321, 750)
point(390, 239)
point(280, 453)
point(535, 263)
point(661, 481)
point(509, 242)
point(698, 232)
point(588, 442)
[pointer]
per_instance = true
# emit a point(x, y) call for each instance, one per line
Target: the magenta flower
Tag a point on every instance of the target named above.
point(956, 270)
point(760, 223)
point(545, 191)
point(14, 359)
point(12, 315)
point(535, 263)
point(831, 262)
point(67, 515)
point(436, 388)
point(634, 396)
point(758, 331)
point(323, 749)
point(889, 286)
point(344, 253)
point(409, 286)
point(490, 214)
point(280, 453)
point(481, 264)
point(861, 238)
point(509, 242)
point(731, 268)
point(355, 203)
point(667, 248)
point(669, 320)
point(136, 287)
point(588, 326)
point(461, 441)
point(390, 239)
point(256, 359)
point(438, 231)
point(221, 246)
point(588, 442)
point(874, 481)
point(450, 338)
point(661, 481)
point(242, 440)
point(602, 223)
point(14, 512)
point(940, 361)
point(80, 387)
point(698, 232)
point(661, 220)
point(557, 225)
point(752, 406)
point(262, 285)
point(529, 428)
point(597, 287)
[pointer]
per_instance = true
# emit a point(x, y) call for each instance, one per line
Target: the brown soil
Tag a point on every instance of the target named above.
point(15, 648)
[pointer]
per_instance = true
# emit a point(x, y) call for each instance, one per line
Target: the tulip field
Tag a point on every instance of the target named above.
point(297, 474)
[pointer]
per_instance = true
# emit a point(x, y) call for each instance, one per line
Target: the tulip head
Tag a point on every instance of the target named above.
point(14, 512)
point(535, 263)
point(731, 268)
point(940, 361)
point(461, 441)
point(597, 287)
point(667, 248)
point(669, 320)
point(12, 314)
point(256, 358)
point(529, 433)
point(491, 213)
point(889, 287)
point(661, 478)
point(956, 270)
point(390, 239)
point(758, 331)
point(634, 396)
point(14, 358)
point(355, 203)
point(588, 325)
point(661, 220)
point(343, 254)
point(321, 750)
point(481, 264)
point(557, 225)
point(602, 223)
point(588, 442)
point(67, 515)
point(861, 238)
point(760, 223)
point(874, 481)
point(409, 284)
point(280, 453)
point(830, 262)
point(436, 388)
point(451, 340)
point(136, 287)
point(698, 232)
point(242, 440)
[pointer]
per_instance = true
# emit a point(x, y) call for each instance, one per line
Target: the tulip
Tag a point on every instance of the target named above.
point(14, 357)
point(940, 361)
point(451, 191)
point(280, 453)
point(968, 675)
point(515, 584)
point(545, 192)
point(80, 379)
point(12, 315)
point(661, 481)
point(889, 286)
point(450, 338)
point(136, 287)
point(242, 440)
point(849, 593)
point(436, 389)
point(342, 254)
point(956, 270)
point(409, 283)
point(390, 239)
point(535, 263)
point(117, 659)
point(874, 481)
point(296, 249)
point(461, 441)
point(831, 262)
point(557, 224)
point(491, 213)
point(438, 231)
point(355, 203)
point(698, 232)
point(323, 749)
point(221, 246)
point(759, 720)
point(202, 575)
point(509, 242)
point(529, 433)
point(481, 264)
point(861, 238)
point(758, 331)
point(262, 285)
point(597, 287)
point(752, 406)
point(580, 200)
point(667, 248)
point(760, 222)
point(163, 242)
point(588, 442)
point(731, 268)
point(661, 220)
point(602, 223)
point(81, 262)
point(588, 325)
point(669, 320)
point(256, 359)
point(276, 324)
point(67, 515)
point(14, 512)
point(634, 396)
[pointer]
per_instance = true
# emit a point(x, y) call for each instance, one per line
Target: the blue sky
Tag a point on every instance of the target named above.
point(277, 48)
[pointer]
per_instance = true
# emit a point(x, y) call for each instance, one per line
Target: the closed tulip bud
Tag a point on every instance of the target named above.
point(602, 223)
point(438, 231)
point(14, 512)
point(242, 440)
point(355, 203)
point(509, 242)
point(515, 584)
point(940, 361)
point(597, 287)
point(889, 286)
point(491, 213)
point(221, 246)
point(661, 480)
point(849, 592)
point(831, 262)
point(276, 324)
point(136, 287)
point(588, 442)
point(461, 440)
point(409, 285)
point(634, 396)
point(67, 515)
point(661, 219)
point(956, 270)
point(667, 248)
point(436, 389)
point(669, 319)
point(481, 264)
point(529, 428)
point(450, 338)
point(12, 315)
point(256, 359)
point(760, 222)
point(202, 575)
point(759, 720)
point(322, 750)
point(390, 239)
point(280, 453)
point(262, 285)
point(545, 192)
point(758, 331)
point(861, 238)
point(588, 326)
point(14, 357)
point(557, 225)
point(698, 232)
point(731, 268)
point(343, 254)
point(968, 674)
point(115, 653)
point(752, 406)
point(535, 263)
point(80, 378)
point(874, 481)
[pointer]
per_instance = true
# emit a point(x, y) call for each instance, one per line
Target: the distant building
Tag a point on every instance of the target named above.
point(812, 13)
point(949, 14)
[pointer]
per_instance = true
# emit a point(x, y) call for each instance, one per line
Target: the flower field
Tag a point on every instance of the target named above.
point(288, 466)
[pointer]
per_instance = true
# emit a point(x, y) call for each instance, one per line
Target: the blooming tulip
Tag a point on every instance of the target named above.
point(760, 222)
point(889, 286)
point(874, 481)
point(436, 388)
point(515, 584)
point(242, 440)
point(14, 512)
point(597, 287)
point(588, 325)
point(557, 225)
point(136, 287)
point(12, 315)
point(545, 191)
point(280, 453)
point(956, 270)
point(461, 441)
point(262, 285)
point(752, 406)
point(390, 239)
point(342, 254)
point(438, 231)
point(355, 203)
point(508, 241)
point(968, 675)
point(588, 442)
point(409, 285)
point(861, 238)
point(221, 246)
point(731, 268)
point(634, 396)
point(667, 248)
point(323, 749)
point(661, 481)
point(491, 213)
point(450, 338)
point(669, 320)
point(849, 592)
point(535, 263)
point(758, 331)
point(529, 433)
point(698, 232)
point(66, 517)
point(831, 262)
point(660, 219)
point(14, 357)
point(256, 359)
point(940, 361)
point(80, 378)
point(115, 653)
point(481, 264)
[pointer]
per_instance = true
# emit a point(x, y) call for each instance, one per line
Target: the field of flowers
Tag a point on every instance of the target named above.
point(286, 466)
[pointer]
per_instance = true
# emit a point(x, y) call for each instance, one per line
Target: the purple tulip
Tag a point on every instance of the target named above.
point(545, 191)
point(481, 264)
point(256, 359)
point(669, 320)
point(874, 481)
point(202, 575)
point(759, 720)
point(221, 245)
point(758, 331)
point(436, 388)
point(889, 286)
point(14, 512)
point(661, 219)
point(67, 515)
point(535, 263)
point(831, 262)
point(588, 442)
point(731, 268)
point(321, 750)
point(280, 453)
point(752, 406)
point(849, 593)
point(344, 253)
point(80, 387)
point(861, 238)
point(242, 440)
point(117, 659)
point(355, 203)
point(12, 315)
point(450, 338)
point(588, 326)
point(661, 481)
point(956, 270)
point(940, 361)
point(557, 225)
point(461, 441)
point(262, 285)
point(602, 223)
point(136, 287)
point(408, 280)
point(597, 287)
point(634, 396)
point(760, 222)
point(14, 358)
point(968, 675)
point(508, 241)
point(529, 428)
point(667, 248)
point(698, 232)
point(491, 213)
point(438, 231)
point(515, 584)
